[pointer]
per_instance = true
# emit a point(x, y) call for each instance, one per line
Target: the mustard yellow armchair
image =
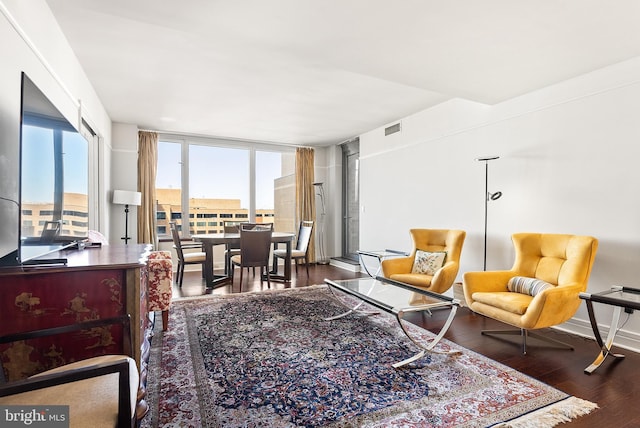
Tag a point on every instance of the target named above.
point(429, 240)
point(541, 289)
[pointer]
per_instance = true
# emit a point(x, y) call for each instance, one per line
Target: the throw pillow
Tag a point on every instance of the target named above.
point(530, 286)
point(428, 263)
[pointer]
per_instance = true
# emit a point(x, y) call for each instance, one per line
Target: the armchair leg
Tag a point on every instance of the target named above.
point(524, 333)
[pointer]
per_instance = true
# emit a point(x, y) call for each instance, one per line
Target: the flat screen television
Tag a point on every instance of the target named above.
point(53, 180)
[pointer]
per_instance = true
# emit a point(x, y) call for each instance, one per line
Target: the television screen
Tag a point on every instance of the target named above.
point(54, 189)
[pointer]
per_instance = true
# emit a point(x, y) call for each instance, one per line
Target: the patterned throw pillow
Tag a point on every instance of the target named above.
point(530, 286)
point(428, 262)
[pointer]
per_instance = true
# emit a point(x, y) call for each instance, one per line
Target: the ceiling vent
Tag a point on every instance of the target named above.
point(392, 129)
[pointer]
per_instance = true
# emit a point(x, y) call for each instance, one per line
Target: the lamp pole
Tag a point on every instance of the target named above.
point(487, 196)
point(320, 193)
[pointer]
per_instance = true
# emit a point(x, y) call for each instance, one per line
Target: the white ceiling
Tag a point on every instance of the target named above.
point(315, 72)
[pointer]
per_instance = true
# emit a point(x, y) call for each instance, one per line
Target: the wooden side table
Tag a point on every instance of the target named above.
point(620, 297)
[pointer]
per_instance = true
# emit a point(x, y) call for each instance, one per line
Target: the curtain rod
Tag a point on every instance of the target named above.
point(270, 143)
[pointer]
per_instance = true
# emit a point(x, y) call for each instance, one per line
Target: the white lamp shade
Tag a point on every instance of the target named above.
point(126, 197)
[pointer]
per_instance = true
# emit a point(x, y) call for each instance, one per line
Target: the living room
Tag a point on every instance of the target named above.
point(567, 152)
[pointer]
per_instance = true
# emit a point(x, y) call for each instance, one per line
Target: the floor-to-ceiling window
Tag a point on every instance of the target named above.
point(201, 183)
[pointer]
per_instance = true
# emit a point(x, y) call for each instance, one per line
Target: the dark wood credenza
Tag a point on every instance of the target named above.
point(95, 283)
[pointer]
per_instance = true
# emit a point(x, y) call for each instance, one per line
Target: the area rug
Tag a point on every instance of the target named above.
point(270, 359)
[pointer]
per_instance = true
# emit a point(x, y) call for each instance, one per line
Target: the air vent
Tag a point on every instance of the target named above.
point(392, 129)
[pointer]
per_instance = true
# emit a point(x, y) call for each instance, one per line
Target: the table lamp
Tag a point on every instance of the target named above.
point(126, 198)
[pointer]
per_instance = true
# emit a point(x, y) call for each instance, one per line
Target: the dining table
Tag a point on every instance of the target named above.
point(232, 240)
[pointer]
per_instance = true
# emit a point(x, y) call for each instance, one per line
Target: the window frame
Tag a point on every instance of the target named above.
point(251, 146)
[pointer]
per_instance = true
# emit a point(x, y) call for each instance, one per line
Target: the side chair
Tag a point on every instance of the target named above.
point(301, 251)
point(186, 258)
point(255, 246)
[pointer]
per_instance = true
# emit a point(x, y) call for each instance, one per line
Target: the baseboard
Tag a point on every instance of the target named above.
point(345, 264)
point(624, 339)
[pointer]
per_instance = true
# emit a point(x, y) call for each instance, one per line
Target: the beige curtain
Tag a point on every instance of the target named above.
point(305, 193)
point(147, 168)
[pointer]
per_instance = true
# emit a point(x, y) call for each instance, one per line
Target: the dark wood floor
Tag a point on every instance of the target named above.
point(614, 386)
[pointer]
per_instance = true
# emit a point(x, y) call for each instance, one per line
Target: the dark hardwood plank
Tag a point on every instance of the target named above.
point(614, 386)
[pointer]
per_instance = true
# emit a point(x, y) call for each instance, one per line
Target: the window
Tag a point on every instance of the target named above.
point(218, 179)
point(168, 186)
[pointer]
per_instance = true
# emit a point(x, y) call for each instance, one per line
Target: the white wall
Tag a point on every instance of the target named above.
point(32, 42)
point(124, 176)
point(568, 164)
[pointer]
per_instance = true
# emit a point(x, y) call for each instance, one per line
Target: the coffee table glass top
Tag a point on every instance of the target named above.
point(390, 295)
point(396, 298)
point(618, 296)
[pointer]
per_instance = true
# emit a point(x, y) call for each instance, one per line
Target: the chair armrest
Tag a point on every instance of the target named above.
point(126, 395)
point(490, 281)
point(444, 277)
point(553, 306)
point(396, 265)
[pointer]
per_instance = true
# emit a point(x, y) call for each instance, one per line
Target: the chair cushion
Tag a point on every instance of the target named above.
point(194, 257)
point(419, 280)
point(427, 262)
point(294, 253)
point(516, 303)
point(525, 285)
point(94, 399)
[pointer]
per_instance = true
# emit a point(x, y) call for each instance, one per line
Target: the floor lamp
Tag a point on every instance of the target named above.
point(487, 197)
point(126, 198)
point(320, 192)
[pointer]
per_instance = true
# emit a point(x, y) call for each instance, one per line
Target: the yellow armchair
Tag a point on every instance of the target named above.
point(561, 263)
point(432, 240)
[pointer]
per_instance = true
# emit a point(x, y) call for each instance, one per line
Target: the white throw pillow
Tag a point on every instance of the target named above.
point(525, 285)
point(428, 263)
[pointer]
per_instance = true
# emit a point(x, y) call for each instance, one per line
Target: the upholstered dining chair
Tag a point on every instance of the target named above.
point(101, 391)
point(191, 257)
point(230, 226)
point(540, 290)
point(255, 246)
point(433, 263)
point(301, 251)
point(234, 227)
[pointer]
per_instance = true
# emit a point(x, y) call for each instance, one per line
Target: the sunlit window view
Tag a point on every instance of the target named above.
point(219, 188)
point(54, 181)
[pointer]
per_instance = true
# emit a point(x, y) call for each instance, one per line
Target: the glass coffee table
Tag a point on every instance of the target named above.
point(395, 298)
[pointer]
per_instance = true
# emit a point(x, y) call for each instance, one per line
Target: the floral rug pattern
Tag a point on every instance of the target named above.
point(270, 359)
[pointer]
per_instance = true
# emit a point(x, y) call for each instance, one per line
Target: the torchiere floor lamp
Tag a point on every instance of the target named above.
point(320, 193)
point(487, 197)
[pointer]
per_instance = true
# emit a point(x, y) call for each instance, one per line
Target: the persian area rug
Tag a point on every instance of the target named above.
point(269, 359)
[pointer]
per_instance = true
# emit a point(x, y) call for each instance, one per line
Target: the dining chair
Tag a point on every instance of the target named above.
point(230, 226)
point(302, 246)
point(186, 258)
point(255, 246)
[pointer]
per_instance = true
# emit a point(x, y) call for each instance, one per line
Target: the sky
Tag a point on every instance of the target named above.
point(38, 167)
point(219, 172)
